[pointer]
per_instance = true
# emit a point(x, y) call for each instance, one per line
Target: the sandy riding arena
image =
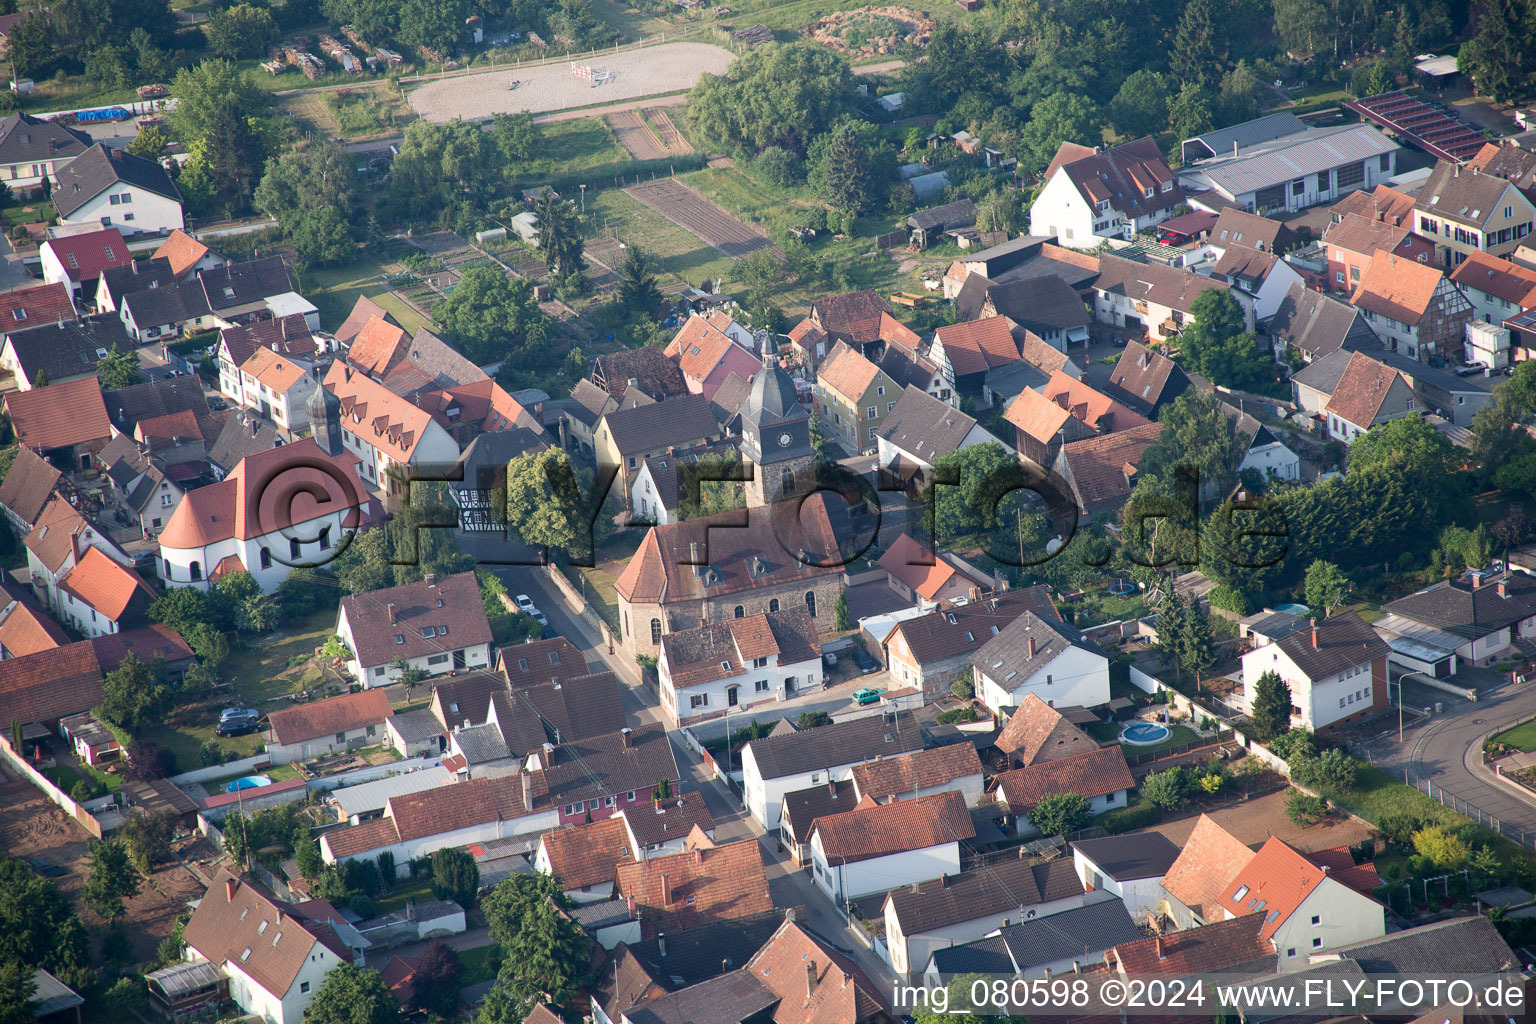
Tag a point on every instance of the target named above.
point(633, 74)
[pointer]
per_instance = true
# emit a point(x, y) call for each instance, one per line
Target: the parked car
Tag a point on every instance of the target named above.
point(862, 659)
point(525, 604)
point(229, 714)
point(217, 404)
point(238, 727)
point(538, 616)
point(866, 696)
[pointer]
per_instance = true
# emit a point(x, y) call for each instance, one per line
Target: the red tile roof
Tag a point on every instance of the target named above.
point(182, 251)
point(242, 924)
point(1211, 947)
point(39, 304)
point(878, 830)
point(377, 346)
point(1104, 468)
point(54, 535)
point(377, 415)
point(815, 983)
point(59, 415)
point(1092, 774)
point(51, 684)
point(902, 776)
point(1396, 287)
point(978, 346)
point(1041, 414)
point(1276, 881)
point(851, 316)
point(1361, 390)
point(26, 630)
point(846, 372)
point(28, 485)
point(330, 716)
point(588, 854)
point(85, 256)
point(1037, 733)
point(110, 588)
point(909, 561)
point(698, 348)
point(1211, 858)
point(1342, 867)
point(677, 891)
point(1499, 278)
point(416, 620)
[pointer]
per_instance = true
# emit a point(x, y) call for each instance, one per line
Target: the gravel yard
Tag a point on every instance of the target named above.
point(651, 71)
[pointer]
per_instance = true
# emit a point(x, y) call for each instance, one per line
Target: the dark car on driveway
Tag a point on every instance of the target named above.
point(862, 659)
point(238, 726)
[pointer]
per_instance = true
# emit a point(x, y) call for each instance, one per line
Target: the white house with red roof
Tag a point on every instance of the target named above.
point(707, 355)
point(277, 510)
point(1306, 909)
point(187, 255)
point(437, 625)
point(389, 434)
point(1093, 193)
point(98, 595)
point(277, 388)
point(707, 671)
point(77, 260)
point(59, 541)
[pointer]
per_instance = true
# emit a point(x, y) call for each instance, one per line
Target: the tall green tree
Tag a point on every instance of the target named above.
point(119, 369)
point(1498, 59)
point(38, 927)
point(1190, 111)
point(1060, 813)
point(1302, 25)
point(782, 95)
point(112, 879)
point(1241, 93)
point(29, 47)
point(638, 292)
point(491, 317)
point(151, 142)
point(1218, 346)
point(16, 994)
point(849, 181)
point(560, 238)
point(550, 505)
point(312, 194)
point(1326, 586)
point(1197, 642)
point(455, 876)
point(134, 693)
point(1140, 107)
point(1195, 433)
point(1199, 54)
point(241, 31)
point(1063, 117)
point(512, 901)
point(1271, 711)
point(353, 995)
point(547, 960)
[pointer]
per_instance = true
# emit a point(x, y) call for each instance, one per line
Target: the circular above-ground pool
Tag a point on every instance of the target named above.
point(257, 781)
point(1142, 734)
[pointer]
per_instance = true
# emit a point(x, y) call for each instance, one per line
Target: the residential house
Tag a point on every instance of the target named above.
point(481, 473)
point(1496, 287)
point(273, 956)
point(696, 571)
point(98, 595)
point(77, 261)
point(224, 527)
point(1041, 656)
point(1463, 211)
point(775, 765)
point(585, 858)
point(1066, 942)
point(962, 908)
point(707, 355)
point(667, 825)
point(625, 437)
point(660, 488)
point(642, 371)
point(1152, 297)
point(66, 423)
point(928, 227)
point(1351, 242)
point(1235, 945)
point(127, 407)
point(1454, 396)
point(675, 892)
point(114, 188)
point(406, 364)
point(1093, 193)
point(437, 625)
point(392, 437)
point(306, 732)
point(907, 367)
point(919, 430)
point(25, 628)
point(877, 847)
point(242, 436)
point(61, 351)
point(213, 299)
point(1314, 384)
point(1368, 393)
point(920, 575)
point(188, 257)
point(39, 304)
point(1236, 227)
point(1065, 410)
point(1305, 909)
point(539, 661)
point(1383, 203)
point(1130, 866)
point(115, 283)
point(1470, 946)
point(1340, 659)
point(1036, 733)
point(1259, 274)
point(587, 405)
point(955, 768)
point(707, 671)
point(475, 811)
point(27, 488)
point(862, 319)
point(55, 682)
point(1476, 618)
point(1310, 325)
point(931, 651)
point(1195, 881)
point(469, 411)
point(1511, 160)
point(1099, 776)
point(599, 775)
point(278, 389)
point(287, 336)
point(853, 397)
point(967, 352)
point(32, 149)
point(799, 810)
point(1145, 380)
point(1045, 304)
point(1101, 471)
point(58, 541)
point(1293, 171)
point(1263, 451)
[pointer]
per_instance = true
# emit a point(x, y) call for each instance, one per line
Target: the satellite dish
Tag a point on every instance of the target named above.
point(1053, 545)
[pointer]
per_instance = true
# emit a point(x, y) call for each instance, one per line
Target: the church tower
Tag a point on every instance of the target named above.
point(775, 435)
point(324, 410)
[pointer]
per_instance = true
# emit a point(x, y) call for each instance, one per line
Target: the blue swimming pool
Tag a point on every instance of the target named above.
point(1143, 733)
point(249, 782)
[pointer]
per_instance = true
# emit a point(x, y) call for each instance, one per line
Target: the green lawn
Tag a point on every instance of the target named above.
point(599, 592)
point(568, 147)
point(1521, 737)
point(479, 964)
point(65, 776)
point(335, 290)
point(406, 889)
point(1376, 793)
point(1104, 730)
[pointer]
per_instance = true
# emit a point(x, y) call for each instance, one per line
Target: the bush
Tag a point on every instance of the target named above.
point(82, 790)
point(1305, 810)
point(1398, 827)
point(1230, 599)
point(1166, 790)
point(211, 754)
point(1127, 819)
point(965, 686)
point(779, 167)
point(1289, 746)
point(958, 715)
point(1441, 848)
point(812, 720)
point(1059, 814)
point(362, 906)
point(1333, 770)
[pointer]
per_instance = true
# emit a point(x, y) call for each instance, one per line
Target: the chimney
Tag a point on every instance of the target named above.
point(624, 734)
point(1159, 945)
point(1234, 147)
point(230, 885)
point(1477, 580)
point(693, 557)
point(630, 900)
point(790, 914)
point(391, 613)
point(1503, 587)
point(527, 791)
point(666, 889)
point(1314, 634)
point(698, 857)
point(661, 943)
point(1031, 647)
point(431, 579)
point(832, 789)
point(810, 978)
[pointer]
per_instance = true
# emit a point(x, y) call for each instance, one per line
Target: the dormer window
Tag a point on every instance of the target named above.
point(399, 638)
point(19, 314)
point(439, 602)
point(1242, 891)
point(427, 632)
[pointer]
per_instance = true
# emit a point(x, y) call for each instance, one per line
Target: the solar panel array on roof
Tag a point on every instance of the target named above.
point(1425, 125)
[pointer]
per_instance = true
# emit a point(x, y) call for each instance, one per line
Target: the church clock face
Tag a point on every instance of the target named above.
point(785, 440)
